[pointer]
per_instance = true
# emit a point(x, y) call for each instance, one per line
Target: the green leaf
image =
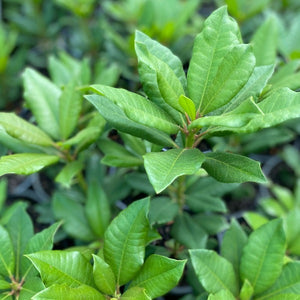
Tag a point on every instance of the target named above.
point(221, 295)
point(103, 276)
point(255, 220)
point(73, 215)
point(69, 171)
point(246, 292)
point(162, 210)
point(23, 130)
point(214, 272)
point(25, 163)
point(211, 223)
point(31, 286)
point(97, 208)
point(135, 293)
point(265, 41)
point(188, 232)
point(233, 243)
point(42, 97)
point(199, 202)
point(7, 257)
point(20, 230)
point(65, 292)
point(188, 106)
point(5, 285)
point(116, 116)
point(138, 108)
point(262, 258)
point(40, 241)
point(220, 33)
point(159, 275)
point(287, 283)
point(228, 167)
point(69, 110)
point(125, 241)
point(233, 73)
point(164, 167)
point(62, 267)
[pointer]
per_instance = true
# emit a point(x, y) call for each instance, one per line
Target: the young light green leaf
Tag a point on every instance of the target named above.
point(25, 163)
point(188, 232)
point(69, 110)
point(97, 208)
point(221, 295)
point(138, 108)
point(219, 34)
point(135, 293)
point(67, 174)
point(23, 130)
point(103, 276)
point(164, 167)
point(262, 258)
point(246, 292)
point(255, 220)
point(287, 282)
point(228, 167)
point(42, 97)
point(116, 116)
point(125, 241)
point(65, 292)
point(233, 243)
point(7, 257)
point(214, 272)
point(158, 275)
point(265, 41)
point(68, 267)
point(188, 106)
point(233, 73)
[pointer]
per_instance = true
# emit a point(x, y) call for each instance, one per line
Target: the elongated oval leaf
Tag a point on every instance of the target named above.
point(159, 275)
point(138, 108)
point(104, 277)
point(125, 241)
point(116, 116)
point(262, 258)
point(23, 130)
point(213, 271)
point(164, 167)
point(42, 96)
point(219, 34)
point(69, 171)
point(25, 163)
point(62, 267)
point(7, 258)
point(65, 292)
point(135, 293)
point(228, 167)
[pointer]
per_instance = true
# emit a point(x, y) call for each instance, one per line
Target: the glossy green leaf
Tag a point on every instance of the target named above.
point(23, 130)
point(233, 243)
point(262, 258)
point(97, 208)
point(162, 210)
point(255, 220)
point(4, 285)
point(62, 267)
point(214, 272)
point(233, 73)
point(25, 163)
point(103, 276)
point(265, 41)
point(188, 232)
point(135, 293)
point(65, 292)
point(125, 241)
point(120, 121)
point(219, 35)
point(221, 295)
point(164, 167)
point(67, 174)
point(138, 108)
point(42, 97)
point(287, 283)
point(20, 230)
point(159, 275)
point(7, 258)
point(228, 167)
point(246, 292)
point(188, 106)
point(69, 110)
point(73, 215)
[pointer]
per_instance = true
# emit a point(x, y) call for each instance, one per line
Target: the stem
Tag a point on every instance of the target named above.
point(177, 192)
